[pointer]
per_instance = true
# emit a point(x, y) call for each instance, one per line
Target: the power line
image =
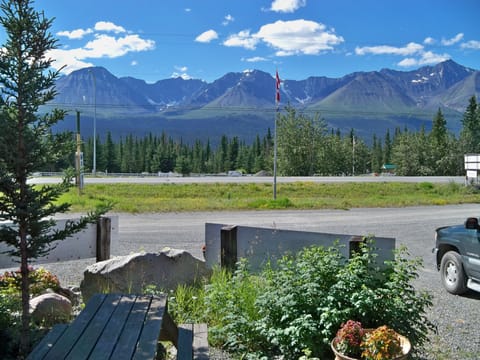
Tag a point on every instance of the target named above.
point(246, 109)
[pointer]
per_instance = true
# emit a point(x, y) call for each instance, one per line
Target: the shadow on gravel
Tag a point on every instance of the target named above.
point(470, 294)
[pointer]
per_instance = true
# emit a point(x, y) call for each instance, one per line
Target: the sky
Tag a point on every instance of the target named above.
point(205, 39)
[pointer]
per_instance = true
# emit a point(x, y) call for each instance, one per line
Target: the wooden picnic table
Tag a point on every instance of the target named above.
point(112, 326)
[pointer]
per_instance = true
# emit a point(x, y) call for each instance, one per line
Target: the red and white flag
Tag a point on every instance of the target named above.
point(277, 87)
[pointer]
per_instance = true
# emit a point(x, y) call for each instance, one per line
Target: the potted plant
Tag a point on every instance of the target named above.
point(346, 344)
point(353, 342)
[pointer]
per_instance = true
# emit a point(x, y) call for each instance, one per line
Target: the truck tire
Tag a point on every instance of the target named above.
point(452, 273)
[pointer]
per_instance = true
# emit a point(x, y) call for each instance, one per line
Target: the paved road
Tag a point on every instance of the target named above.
point(412, 226)
point(252, 179)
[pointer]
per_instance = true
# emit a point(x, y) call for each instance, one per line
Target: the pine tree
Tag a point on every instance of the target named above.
point(27, 145)
point(439, 130)
point(470, 134)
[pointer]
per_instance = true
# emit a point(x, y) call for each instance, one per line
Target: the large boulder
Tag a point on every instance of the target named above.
point(50, 308)
point(133, 273)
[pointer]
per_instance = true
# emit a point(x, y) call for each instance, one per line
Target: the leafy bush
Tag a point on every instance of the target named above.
point(40, 280)
point(297, 306)
point(232, 312)
point(10, 321)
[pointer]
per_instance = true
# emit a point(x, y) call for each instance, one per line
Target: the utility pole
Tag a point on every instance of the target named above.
point(94, 168)
point(353, 155)
point(78, 158)
point(277, 102)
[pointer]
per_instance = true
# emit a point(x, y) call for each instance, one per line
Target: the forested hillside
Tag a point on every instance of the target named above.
point(306, 146)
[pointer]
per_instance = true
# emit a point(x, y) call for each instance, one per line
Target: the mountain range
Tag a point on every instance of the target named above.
point(243, 104)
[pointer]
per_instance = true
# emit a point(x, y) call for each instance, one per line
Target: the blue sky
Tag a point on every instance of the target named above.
point(204, 39)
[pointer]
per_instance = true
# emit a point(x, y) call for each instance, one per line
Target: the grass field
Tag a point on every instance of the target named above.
point(139, 198)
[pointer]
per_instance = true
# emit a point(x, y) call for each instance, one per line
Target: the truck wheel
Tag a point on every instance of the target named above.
point(451, 271)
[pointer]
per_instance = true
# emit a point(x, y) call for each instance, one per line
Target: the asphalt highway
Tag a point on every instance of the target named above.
point(249, 179)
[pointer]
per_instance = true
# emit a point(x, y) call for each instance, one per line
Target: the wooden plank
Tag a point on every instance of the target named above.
point(133, 327)
point(148, 342)
point(47, 342)
point(169, 330)
point(113, 330)
point(86, 342)
point(200, 342)
point(185, 342)
point(70, 336)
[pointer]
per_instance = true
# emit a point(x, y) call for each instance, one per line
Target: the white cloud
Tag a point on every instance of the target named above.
point(181, 72)
point(409, 49)
point(255, 59)
point(452, 41)
point(472, 44)
point(287, 6)
point(228, 19)
point(68, 60)
point(184, 76)
point(207, 36)
point(181, 68)
point(288, 38)
point(75, 34)
point(134, 63)
point(426, 58)
point(112, 47)
point(102, 46)
point(298, 37)
point(416, 54)
point(242, 39)
point(109, 27)
point(429, 41)
point(408, 62)
point(429, 57)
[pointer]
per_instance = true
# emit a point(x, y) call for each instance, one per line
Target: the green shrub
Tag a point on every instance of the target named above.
point(297, 306)
point(281, 203)
point(10, 321)
point(187, 304)
point(425, 186)
point(10, 306)
point(232, 312)
point(40, 280)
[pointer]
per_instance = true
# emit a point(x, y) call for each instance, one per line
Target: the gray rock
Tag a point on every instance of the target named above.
point(133, 273)
point(50, 308)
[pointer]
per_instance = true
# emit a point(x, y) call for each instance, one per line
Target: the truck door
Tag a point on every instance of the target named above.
point(472, 255)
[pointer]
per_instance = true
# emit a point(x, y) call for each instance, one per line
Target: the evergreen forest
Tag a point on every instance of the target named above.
point(305, 147)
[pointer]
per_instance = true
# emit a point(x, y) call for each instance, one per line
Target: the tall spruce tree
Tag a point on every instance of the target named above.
point(470, 134)
point(27, 144)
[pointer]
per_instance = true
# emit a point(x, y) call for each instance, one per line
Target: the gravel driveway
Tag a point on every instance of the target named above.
point(457, 318)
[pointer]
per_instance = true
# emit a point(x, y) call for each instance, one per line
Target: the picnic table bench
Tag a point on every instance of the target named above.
point(115, 326)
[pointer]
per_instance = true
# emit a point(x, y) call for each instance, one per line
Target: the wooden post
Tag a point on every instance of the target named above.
point(228, 247)
point(354, 245)
point(104, 230)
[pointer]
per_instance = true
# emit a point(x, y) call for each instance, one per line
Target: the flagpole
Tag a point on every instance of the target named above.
point(277, 101)
point(275, 157)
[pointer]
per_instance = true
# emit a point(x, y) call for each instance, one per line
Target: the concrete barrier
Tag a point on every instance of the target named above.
point(93, 242)
point(226, 244)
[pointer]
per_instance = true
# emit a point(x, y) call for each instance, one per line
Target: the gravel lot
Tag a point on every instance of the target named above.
point(457, 318)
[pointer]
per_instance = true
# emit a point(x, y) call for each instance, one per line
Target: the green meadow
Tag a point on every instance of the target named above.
point(141, 198)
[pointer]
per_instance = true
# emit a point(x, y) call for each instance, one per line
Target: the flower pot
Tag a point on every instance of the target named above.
point(404, 343)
